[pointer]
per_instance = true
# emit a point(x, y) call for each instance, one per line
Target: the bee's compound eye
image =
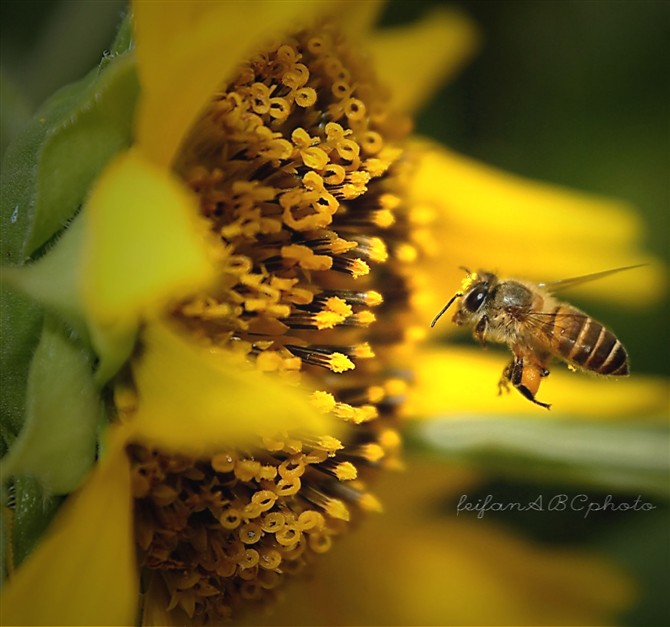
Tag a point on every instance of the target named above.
point(474, 300)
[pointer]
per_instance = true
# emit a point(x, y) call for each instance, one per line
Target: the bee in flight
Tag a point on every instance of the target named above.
point(536, 327)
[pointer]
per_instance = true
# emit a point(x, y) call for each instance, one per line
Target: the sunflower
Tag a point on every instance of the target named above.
point(243, 296)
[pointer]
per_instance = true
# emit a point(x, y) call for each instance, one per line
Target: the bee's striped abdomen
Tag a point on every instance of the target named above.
point(585, 342)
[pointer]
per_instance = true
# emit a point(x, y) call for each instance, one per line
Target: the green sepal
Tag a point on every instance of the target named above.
point(123, 41)
point(32, 512)
point(53, 281)
point(20, 326)
point(48, 171)
point(45, 177)
point(15, 110)
point(57, 444)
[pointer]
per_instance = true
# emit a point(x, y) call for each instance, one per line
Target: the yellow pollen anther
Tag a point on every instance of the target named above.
point(286, 487)
point(337, 509)
point(395, 387)
point(384, 218)
point(340, 363)
point(359, 268)
point(363, 351)
point(370, 503)
point(378, 251)
point(320, 542)
point(372, 452)
point(372, 142)
point(340, 246)
point(357, 415)
point(270, 559)
point(292, 468)
point(346, 471)
point(390, 439)
point(323, 401)
point(269, 361)
point(334, 174)
point(311, 520)
point(306, 257)
point(364, 318)
point(338, 306)
point(264, 499)
point(305, 97)
point(406, 253)
point(230, 518)
point(376, 393)
point(302, 139)
point(223, 462)
point(246, 469)
point(373, 299)
point(314, 158)
point(272, 522)
point(344, 411)
point(328, 319)
point(329, 443)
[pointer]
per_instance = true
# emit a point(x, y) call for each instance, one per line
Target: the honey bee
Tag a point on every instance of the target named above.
point(537, 328)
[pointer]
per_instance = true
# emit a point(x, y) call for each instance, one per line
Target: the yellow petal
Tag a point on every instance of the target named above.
point(415, 60)
point(84, 571)
point(186, 49)
point(358, 18)
point(486, 218)
point(197, 400)
point(455, 381)
point(144, 246)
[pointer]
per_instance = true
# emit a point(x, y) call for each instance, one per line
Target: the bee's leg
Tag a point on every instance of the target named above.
point(505, 378)
point(480, 330)
point(526, 378)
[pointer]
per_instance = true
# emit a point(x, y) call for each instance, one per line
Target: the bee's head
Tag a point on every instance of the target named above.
point(475, 290)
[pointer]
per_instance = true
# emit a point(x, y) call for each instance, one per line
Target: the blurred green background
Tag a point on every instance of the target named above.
point(574, 92)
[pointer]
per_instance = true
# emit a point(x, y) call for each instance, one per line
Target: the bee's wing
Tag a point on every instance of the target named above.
point(555, 286)
point(546, 330)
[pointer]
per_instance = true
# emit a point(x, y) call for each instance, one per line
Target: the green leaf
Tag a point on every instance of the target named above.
point(57, 444)
point(47, 172)
point(610, 455)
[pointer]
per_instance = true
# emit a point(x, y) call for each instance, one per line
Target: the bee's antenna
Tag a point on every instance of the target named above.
point(466, 270)
point(451, 300)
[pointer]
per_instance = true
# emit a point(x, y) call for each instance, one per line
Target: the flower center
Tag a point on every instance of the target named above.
point(297, 166)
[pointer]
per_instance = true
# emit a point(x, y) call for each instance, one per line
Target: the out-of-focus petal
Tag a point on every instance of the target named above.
point(83, 572)
point(455, 381)
point(201, 43)
point(144, 246)
point(358, 18)
point(415, 60)
point(481, 217)
point(443, 568)
point(196, 400)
